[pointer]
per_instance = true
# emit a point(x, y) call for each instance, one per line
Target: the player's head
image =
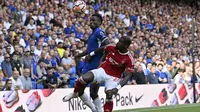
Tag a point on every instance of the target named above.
point(95, 21)
point(123, 44)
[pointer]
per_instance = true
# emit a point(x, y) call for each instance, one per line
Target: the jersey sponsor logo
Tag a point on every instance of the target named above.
point(114, 62)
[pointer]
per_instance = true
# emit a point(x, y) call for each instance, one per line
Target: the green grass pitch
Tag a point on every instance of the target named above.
point(176, 108)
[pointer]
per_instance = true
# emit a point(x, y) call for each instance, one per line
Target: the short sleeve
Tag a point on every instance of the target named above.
point(64, 61)
point(130, 66)
point(101, 36)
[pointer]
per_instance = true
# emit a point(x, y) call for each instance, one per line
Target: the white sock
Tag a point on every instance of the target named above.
point(85, 98)
point(98, 104)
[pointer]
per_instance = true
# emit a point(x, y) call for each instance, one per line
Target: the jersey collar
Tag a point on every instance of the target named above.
point(123, 53)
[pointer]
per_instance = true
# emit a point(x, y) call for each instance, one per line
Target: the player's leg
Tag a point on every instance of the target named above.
point(94, 88)
point(86, 100)
point(80, 86)
point(109, 85)
point(108, 106)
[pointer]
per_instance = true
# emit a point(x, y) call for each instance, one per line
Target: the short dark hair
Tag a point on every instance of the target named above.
point(154, 64)
point(160, 64)
point(127, 40)
point(41, 60)
point(99, 16)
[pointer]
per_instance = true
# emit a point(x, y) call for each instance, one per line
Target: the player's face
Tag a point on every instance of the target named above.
point(121, 46)
point(94, 22)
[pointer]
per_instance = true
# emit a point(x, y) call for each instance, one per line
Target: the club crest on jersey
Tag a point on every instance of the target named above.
point(114, 62)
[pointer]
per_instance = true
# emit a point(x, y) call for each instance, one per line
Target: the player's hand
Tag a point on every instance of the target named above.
point(87, 58)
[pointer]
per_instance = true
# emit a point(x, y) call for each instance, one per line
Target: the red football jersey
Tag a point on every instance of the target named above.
point(116, 63)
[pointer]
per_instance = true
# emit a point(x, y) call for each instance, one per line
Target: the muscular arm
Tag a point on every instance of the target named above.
point(82, 54)
point(103, 58)
point(126, 79)
point(105, 42)
point(121, 84)
point(101, 49)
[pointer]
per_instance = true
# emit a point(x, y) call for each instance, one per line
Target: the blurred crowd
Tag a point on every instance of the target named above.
point(39, 39)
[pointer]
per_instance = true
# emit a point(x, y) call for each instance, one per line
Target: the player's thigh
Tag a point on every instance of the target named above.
point(99, 75)
point(111, 83)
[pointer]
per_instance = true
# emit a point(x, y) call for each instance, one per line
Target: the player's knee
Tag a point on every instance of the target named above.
point(109, 94)
point(93, 95)
point(88, 77)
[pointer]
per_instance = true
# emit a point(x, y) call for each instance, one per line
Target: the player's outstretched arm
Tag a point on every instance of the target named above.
point(98, 50)
point(122, 83)
point(126, 79)
point(81, 54)
point(84, 53)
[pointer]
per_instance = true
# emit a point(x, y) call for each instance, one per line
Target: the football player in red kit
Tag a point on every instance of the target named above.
point(118, 60)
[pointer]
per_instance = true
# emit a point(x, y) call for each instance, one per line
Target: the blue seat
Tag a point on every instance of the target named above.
point(72, 81)
point(37, 86)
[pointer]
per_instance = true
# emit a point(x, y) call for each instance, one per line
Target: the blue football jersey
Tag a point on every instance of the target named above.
point(95, 41)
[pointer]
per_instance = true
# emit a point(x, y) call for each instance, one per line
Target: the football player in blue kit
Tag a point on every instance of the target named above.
point(97, 39)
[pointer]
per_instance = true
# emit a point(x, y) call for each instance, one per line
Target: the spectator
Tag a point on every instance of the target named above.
point(16, 63)
point(140, 59)
point(152, 78)
point(26, 60)
point(68, 64)
point(6, 66)
point(16, 82)
point(179, 78)
point(60, 49)
point(8, 49)
point(169, 74)
point(138, 76)
point(17, 51)
point(175, 68)
point(148, 69)
point(50, 79)
point(8, 85)
point(26, 80)
point(62, 77)
point(41, 68)
point(162, 77)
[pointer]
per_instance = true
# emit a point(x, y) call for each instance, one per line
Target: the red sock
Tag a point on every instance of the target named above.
point(1, 108)
point(108, 106)
point(78, 86)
